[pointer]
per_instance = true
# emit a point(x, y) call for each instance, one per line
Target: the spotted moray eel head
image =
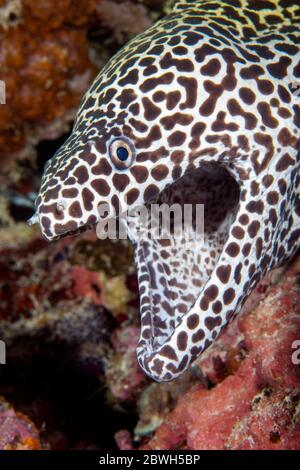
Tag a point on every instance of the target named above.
point(189, 114)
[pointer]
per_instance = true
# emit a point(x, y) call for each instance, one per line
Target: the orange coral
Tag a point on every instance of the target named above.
point(45, 62)
point(41, 55)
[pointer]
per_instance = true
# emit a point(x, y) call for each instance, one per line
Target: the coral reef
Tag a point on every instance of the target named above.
point(17, 432)
point(64, 330)
point(48, 57)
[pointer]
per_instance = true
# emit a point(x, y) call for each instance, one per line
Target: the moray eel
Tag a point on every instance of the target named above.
point(202, 108)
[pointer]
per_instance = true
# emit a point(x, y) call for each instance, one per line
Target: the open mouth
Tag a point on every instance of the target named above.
point(174, 267)
point(176, 259)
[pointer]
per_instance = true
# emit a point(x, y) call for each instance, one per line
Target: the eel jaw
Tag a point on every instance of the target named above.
point(35, 219)
point(72, 233)
point(173, 272)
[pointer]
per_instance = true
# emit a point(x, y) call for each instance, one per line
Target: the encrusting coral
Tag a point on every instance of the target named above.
point(17, 432)
point(48, 57)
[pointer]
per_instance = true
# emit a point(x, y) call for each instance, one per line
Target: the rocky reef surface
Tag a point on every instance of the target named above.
point(69, 310)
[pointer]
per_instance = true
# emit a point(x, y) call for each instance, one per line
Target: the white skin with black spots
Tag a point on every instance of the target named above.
point(200, 109)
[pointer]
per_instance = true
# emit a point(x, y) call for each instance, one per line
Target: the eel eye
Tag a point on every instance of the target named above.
point(122, 153)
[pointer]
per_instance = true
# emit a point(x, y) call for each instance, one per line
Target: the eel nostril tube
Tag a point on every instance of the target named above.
point(33, 220)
